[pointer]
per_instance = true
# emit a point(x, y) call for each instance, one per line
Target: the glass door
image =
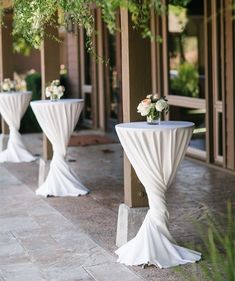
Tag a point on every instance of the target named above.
point(113, 79)
point(86, 80)
point(193, 71)
point(186, 59)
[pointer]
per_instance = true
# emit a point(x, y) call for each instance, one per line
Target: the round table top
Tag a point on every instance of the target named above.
point(164, 125)
point(58, 102)
point(10, 94)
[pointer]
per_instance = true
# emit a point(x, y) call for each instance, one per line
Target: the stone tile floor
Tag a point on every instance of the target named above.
point(74, 238)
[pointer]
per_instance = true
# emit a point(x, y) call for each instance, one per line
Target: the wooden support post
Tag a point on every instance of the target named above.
point(72, 40)
point(136, 84)
point(50, 69)
point(100, 71)
point(229, 96)
point(6, 56)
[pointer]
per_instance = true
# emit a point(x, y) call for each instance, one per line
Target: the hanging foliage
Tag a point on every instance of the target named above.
point(31, 17)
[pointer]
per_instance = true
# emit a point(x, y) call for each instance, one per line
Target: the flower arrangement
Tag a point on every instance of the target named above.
point(8, 85)
point(55, 91)
point(152, 107)
point(20, 85)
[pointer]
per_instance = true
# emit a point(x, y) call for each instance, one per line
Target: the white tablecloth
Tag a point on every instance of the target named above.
point(12, 108)
point(58, 120)
point(155, 152)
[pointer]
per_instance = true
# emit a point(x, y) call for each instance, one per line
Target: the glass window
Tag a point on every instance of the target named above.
point(87, 107)
point(114, 88)
point(219, 55)
point(87, 61)
point(196, 116)
point(186, 49)
point(220, 134)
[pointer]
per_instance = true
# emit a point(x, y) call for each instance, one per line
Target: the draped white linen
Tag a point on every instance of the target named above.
point(12, 108)
point(58, 120)
point(155, 152)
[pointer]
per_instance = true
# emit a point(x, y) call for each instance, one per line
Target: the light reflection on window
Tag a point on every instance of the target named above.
point(186, 49)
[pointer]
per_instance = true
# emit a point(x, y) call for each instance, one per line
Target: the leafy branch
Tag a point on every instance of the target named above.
point(32, 17)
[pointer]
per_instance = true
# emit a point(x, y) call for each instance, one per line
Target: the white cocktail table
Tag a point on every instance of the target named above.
point(155, 152)
point(12, 107)
point(58, 120)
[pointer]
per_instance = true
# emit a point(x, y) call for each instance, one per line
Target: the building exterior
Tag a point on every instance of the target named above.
point(193, 67)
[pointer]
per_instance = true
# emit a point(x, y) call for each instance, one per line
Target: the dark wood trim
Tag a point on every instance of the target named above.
point(87, 88)
point(118, 57)
point(107, 76)
point(208, 84)
point(229, 87)
point(94, 80)
point(119, 65)
point(165, 61)
point(6, 57)
point(153, 53)
point(216, 77)
point(223, 78)
point(159, 57)
point(186, 102)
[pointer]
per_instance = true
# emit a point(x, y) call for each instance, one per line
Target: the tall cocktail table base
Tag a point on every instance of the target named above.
point(61, 181)
point(16, 151)
point(151, 246)
point(155, 154)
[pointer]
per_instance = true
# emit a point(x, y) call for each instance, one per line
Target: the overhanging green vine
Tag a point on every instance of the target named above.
point(31, 17)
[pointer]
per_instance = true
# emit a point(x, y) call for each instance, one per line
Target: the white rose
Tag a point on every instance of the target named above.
point(5, 87)
point(155, 97)
point(61, 91)
point(55, 82)
point(36, 23)
point(161, 105)
point(48, 92)
point(56, 90)
point(144, 107)
point(12, 85)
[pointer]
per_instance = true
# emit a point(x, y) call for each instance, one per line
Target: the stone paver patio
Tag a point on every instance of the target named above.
point(74, 238)
point(39, 243)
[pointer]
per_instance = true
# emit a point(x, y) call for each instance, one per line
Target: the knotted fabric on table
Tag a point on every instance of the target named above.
point(58, 120)
point(155, 153)
point(12, 108)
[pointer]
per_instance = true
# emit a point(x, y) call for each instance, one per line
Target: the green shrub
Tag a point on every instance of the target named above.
point(187, 80)
point(218, 251)
point(64, 82)
point(29, 123)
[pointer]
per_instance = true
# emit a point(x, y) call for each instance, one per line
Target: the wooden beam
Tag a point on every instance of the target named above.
point(136, 84)
point(100, 70)
point(208, 84)
point(72, 40)
point(6, 56)
point(6, 48)
point(6, 4)
point(50, 70)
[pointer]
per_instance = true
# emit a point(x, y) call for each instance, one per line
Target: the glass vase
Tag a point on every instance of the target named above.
point(154, 121)
point(54, 98)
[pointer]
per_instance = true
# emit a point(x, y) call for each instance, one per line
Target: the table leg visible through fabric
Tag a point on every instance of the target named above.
point(61, 180)
point(152, 246)
point(153, 243)
point(16, 151)
point(155, 155)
